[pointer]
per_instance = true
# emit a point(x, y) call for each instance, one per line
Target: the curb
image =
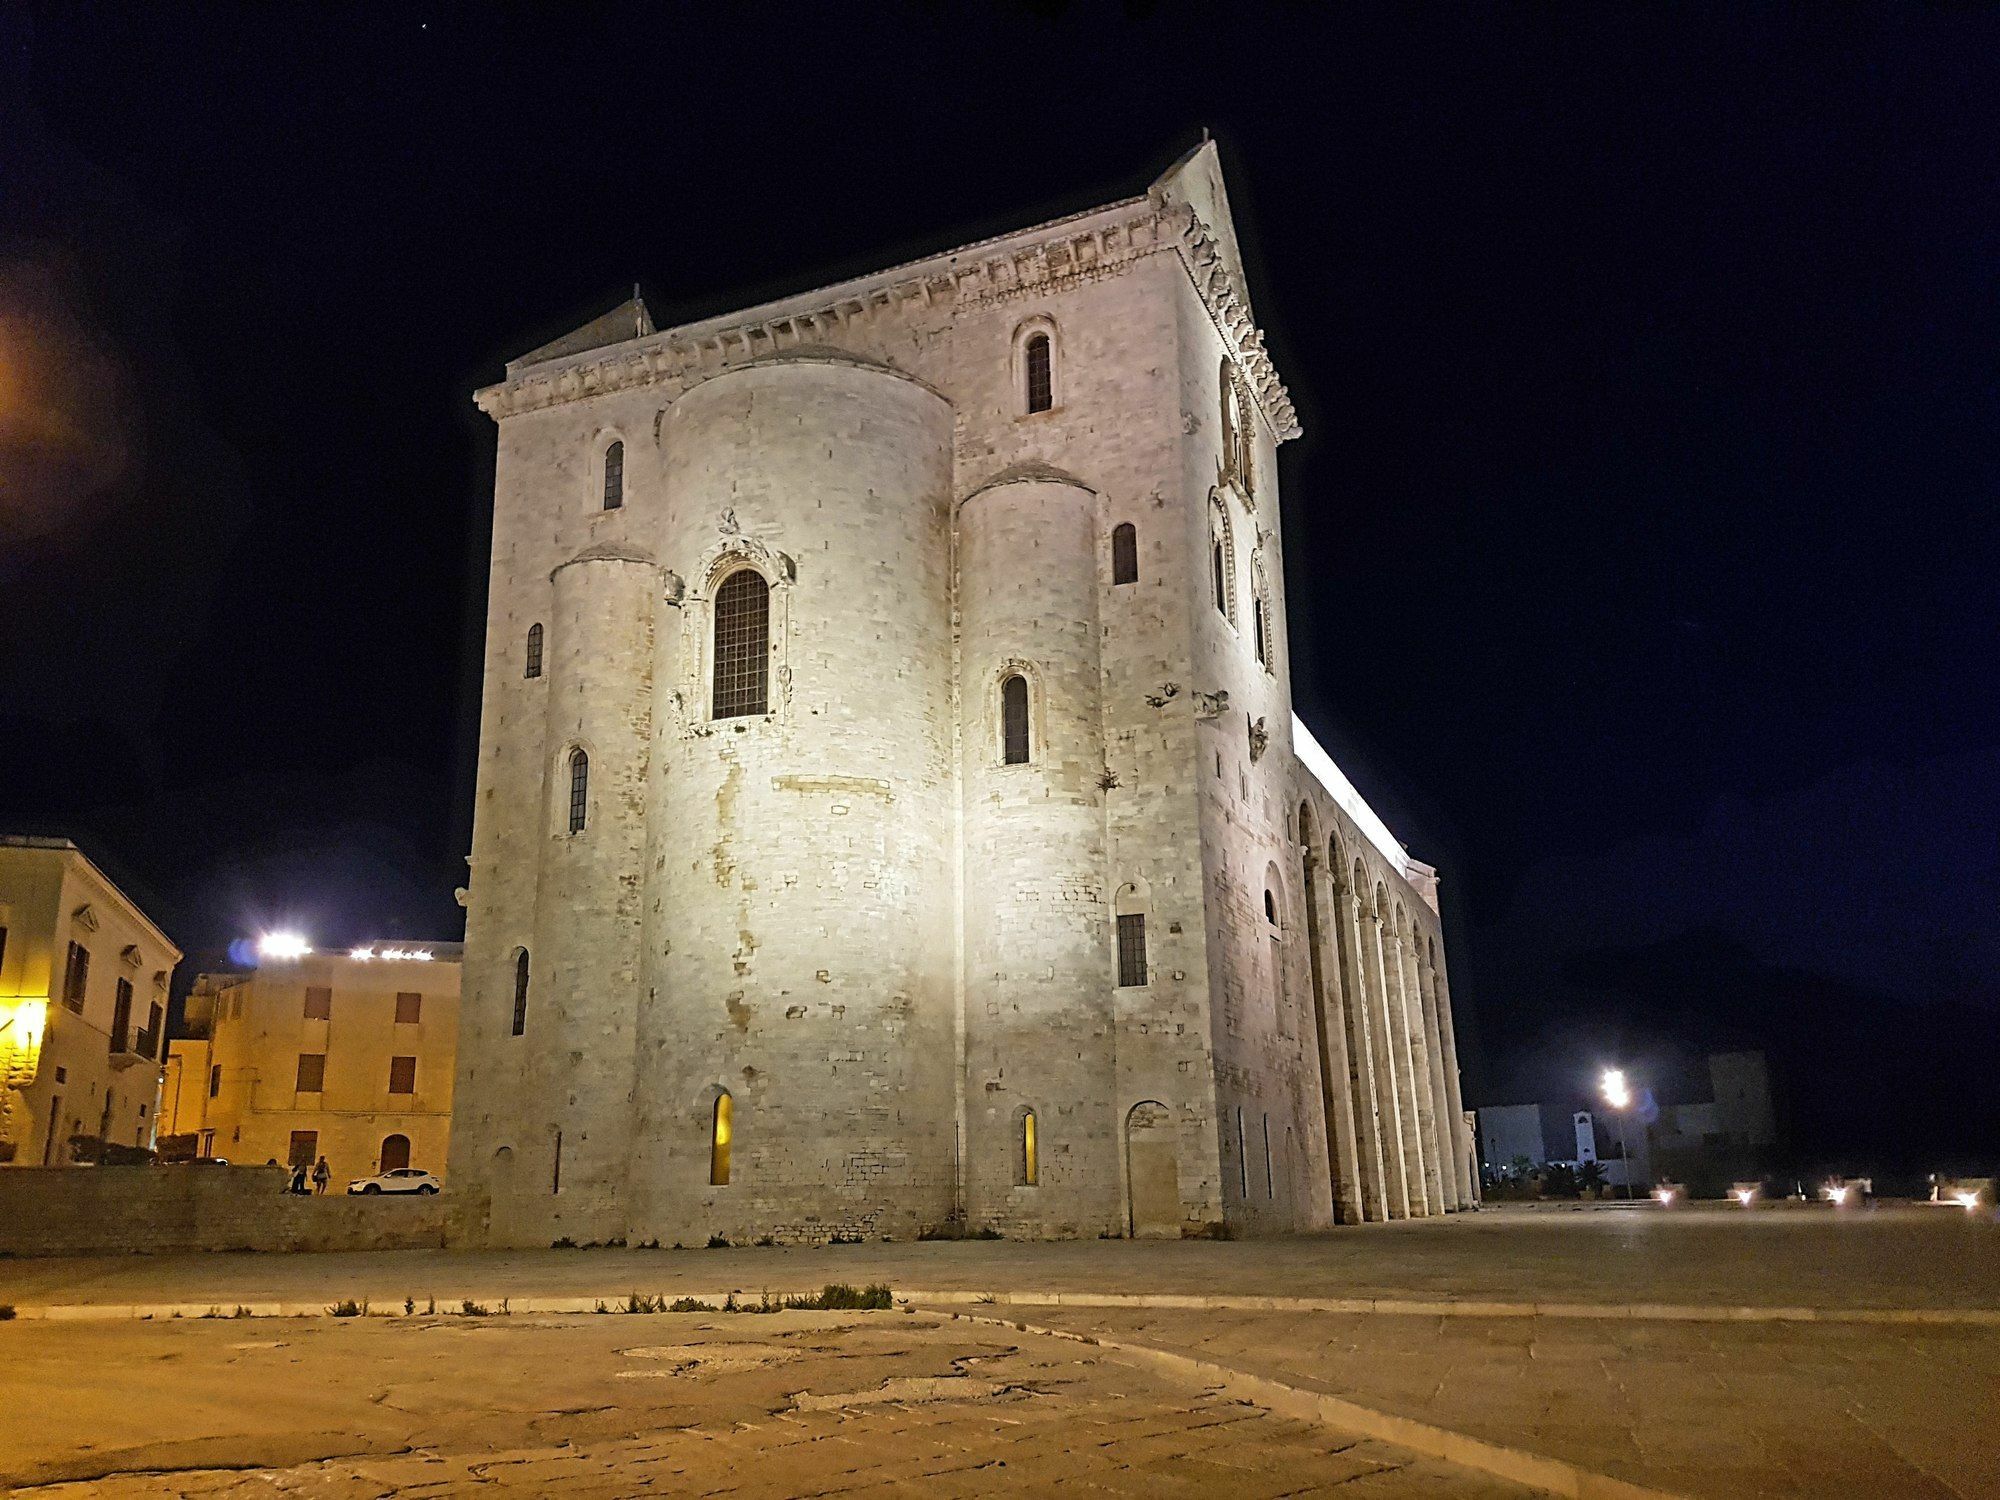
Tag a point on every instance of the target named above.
point(1404, 1307)
point(1553, 1476)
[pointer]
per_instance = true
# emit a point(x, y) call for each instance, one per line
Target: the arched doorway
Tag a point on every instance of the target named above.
point(1153, 1163)
point(395, 1152)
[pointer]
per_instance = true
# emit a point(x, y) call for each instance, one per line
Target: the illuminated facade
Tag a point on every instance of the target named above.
point(346, 1055)
point(83, 1004)
point(890, 811)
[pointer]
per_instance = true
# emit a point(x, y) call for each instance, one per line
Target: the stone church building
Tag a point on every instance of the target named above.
point(891, 815)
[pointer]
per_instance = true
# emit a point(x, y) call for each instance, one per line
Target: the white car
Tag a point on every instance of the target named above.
point(402, 1180)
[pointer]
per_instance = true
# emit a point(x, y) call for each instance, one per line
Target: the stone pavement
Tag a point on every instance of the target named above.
point(1885, 1257)
point(685, 1404)
point(1699, 1409)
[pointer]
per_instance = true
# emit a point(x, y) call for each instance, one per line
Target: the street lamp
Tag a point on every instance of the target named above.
point(1618, 1094)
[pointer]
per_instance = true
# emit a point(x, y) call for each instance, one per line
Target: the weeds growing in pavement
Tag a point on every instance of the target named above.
point(347, 1307)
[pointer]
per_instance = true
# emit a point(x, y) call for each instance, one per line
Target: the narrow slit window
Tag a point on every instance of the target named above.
point(1027, 1164)
point(579, 790)
point(1014, 721)
point(533, 664)
point(614, 476)
point(1041, 373)
point(1219, 577)
point(722, 1128)
point(1260, 629)
point(520, 992)
point(742, 645)
point(1125, 553)
point(1132, 950)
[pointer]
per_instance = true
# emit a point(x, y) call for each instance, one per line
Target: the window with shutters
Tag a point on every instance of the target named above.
point(402, 1075)
point(1014, 720)
point(1132, 950)
point(614, 476)
point(742, 645)
point(1124, 553)
point(312, 1072)
point(533, 663)
point(121, 1017)
point(409, 1008)
point(214, 1079)
point(76, 977)
point(579, 790)
point(156, 1025)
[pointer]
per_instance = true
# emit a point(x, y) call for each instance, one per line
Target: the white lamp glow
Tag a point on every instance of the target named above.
point(282, 945)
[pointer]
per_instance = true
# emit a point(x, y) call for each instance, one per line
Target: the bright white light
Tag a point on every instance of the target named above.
point(1838, 1192)
point(1665, 1195)
point(282, 945)
point(1617, 1093)
point(1967, 1201)
point(1744, 1195)
point(404, 955)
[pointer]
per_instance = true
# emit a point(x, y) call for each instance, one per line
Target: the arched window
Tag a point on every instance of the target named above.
point(1027, 1163)
point(534, 659)
point(579, 789)
point(520, 991)
point(720, 1128)
point(1038, 357)
point(1014, 720)
point(742, 645)
point(614, 476)
point(1124, 553)
point(1222, 559)
point(1236, 444)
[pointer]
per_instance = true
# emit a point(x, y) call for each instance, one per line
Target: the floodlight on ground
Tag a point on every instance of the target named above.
point(282, 945)
point(1665, 1195)
point(1744, 1193)
point(1837, 1193)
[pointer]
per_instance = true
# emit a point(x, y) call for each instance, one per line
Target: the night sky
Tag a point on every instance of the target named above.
point(1641, 549)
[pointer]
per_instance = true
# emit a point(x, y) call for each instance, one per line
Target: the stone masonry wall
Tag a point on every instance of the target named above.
point(164, 1210)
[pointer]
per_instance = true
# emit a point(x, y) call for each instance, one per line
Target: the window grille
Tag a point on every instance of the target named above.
point(742, 645)
point(1132, 950)
point(614, 476)
point(534, 662)
point(579, 789)
point(1014, 721)
point(1041, 373)
point(1125, 553)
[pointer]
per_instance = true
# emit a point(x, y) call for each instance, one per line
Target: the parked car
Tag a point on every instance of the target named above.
point(401, 1180)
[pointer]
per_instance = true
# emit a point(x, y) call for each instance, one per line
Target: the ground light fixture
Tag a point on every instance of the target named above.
point(1618, 1094)
point(1665, 1195)
point(1837, 1193)
point(282, 945)
point(1745, 1193)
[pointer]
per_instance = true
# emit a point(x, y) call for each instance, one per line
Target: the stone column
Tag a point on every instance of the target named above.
point(1330, 1030)
point(1468, 1159)
point(1399, 1155)
point(1424, 1169)
point(1361, 1048)
point(1444, 1140)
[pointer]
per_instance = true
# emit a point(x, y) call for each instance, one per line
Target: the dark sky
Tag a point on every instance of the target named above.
point(1641, 549)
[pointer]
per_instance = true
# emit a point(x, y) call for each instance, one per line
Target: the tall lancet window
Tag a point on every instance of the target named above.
point(742, 645)
point(1014, 721)
point(534, 661)
point(614, 476)
point(579, 790)
point(1040, 357)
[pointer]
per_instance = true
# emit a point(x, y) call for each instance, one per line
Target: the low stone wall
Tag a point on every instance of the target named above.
point(159, 1210)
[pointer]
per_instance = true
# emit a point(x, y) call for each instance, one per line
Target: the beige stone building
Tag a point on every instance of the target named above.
point(84, 976)
point(348, 1055)
point(891, 814)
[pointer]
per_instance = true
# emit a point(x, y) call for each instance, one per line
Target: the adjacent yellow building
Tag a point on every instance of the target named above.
point(345, 1055)
point(83, 1007)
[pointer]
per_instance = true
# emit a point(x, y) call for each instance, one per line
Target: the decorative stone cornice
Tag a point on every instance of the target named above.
point(1229, 306)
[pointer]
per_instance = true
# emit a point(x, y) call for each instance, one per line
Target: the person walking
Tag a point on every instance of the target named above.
point(322, 1175)
point(299, 1178)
